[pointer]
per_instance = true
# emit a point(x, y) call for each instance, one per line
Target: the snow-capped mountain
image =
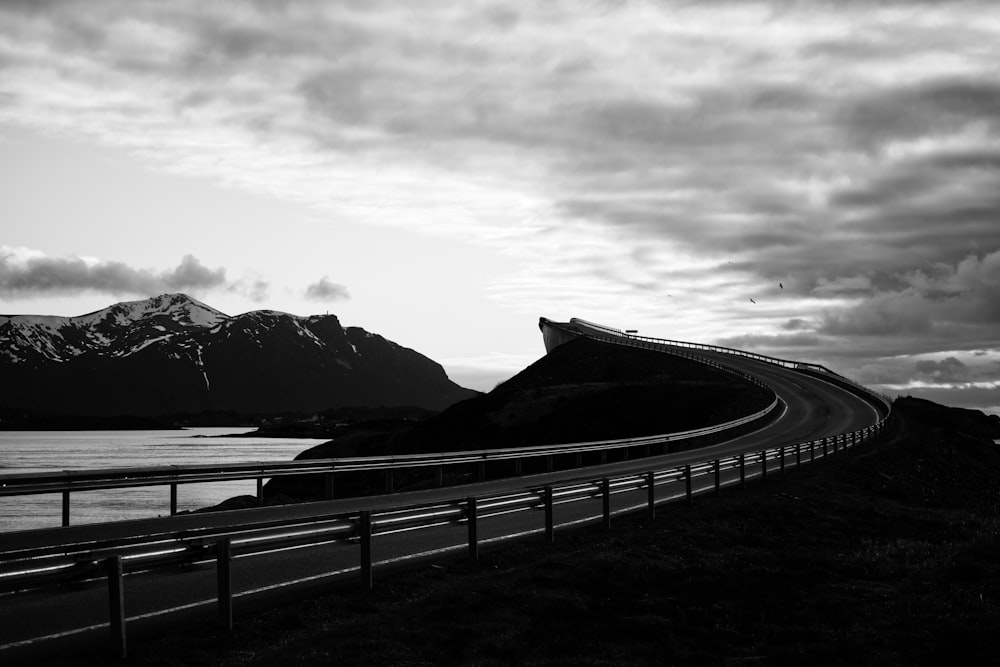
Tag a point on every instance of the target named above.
point(115, 330)
point(172, 354)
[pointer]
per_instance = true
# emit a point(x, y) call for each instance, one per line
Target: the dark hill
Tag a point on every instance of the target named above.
point(582, 390)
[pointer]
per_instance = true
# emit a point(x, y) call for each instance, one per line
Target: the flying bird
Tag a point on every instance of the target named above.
point(781, 286)
point(752, 301)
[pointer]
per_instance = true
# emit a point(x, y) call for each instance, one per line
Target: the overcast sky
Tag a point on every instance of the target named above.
point(444, 173)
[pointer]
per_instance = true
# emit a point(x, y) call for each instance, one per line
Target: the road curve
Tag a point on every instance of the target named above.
point(813, 408)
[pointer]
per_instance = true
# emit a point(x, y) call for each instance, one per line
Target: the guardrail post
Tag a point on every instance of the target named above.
point(651, 493)
point(549, 464)
point(579, 460)
point(481, 473)
point(604, 456)
point(65, 508)
point(743, 469)
point(388, 480)
point(223, 572)
point(798, 454)
point(812, 451)
point(606, 502)
point(782, 466)
point(687, 483)
point(824, 448)
point(718, 478)
point(550, 524)
point(328, 486)
point(472, 516)
point(260, 491)
point(625, 454)
point(173, 498)
point(439, 476)
point(763, 465)
point(365, 533)
point(116, 603)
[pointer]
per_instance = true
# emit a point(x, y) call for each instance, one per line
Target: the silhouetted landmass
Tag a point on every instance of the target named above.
point(887, 556)
point(582, 390)
point(172, 355)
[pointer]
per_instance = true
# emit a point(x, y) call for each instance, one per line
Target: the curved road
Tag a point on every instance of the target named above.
point(77, 615)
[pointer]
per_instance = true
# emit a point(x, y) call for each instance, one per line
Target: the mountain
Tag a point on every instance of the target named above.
point(173, 354)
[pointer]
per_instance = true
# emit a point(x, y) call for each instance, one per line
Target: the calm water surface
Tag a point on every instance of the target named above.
point(41, 451)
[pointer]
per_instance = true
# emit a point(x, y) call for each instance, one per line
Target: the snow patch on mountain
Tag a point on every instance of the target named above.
point(109, 331)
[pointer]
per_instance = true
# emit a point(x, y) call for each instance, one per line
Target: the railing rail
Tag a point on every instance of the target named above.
point(87, 480)
point(35, 568)
point(601, 332)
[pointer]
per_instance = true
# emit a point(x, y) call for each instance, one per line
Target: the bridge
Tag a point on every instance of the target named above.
point(139, 574)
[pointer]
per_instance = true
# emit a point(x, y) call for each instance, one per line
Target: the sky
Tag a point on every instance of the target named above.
point(812, 180)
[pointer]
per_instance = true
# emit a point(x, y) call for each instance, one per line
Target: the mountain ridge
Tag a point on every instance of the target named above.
point(173, 353)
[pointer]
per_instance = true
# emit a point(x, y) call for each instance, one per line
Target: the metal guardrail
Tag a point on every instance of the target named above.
point(609, 334)
point(35, 568)
point(70, 481)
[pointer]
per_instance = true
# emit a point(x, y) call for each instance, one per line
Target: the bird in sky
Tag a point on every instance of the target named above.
point(752, 301)
point(781, 286)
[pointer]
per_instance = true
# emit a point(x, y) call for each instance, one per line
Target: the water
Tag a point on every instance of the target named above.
point(42, 451)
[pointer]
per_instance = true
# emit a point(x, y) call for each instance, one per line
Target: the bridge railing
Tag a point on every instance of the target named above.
point(43, 567)
point(609, 334)
point(72, 481)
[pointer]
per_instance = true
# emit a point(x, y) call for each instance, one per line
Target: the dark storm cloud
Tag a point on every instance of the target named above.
point(783, 341)
point(22, 277)
point(927, 108)
point(324, 290)
point(945, 299)
point(948, 370)
point(796, 324)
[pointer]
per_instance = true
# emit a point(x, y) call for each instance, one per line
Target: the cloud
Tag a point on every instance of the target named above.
point(944, 300)
point(796, 324)
point(256, 290)
point(782, 341)
point(948, 370)
point(839, 286)
point(659, 163)
point(324, 290)
point(25, 273)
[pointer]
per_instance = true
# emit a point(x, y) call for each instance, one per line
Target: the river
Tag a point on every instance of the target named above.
point(42, 451)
